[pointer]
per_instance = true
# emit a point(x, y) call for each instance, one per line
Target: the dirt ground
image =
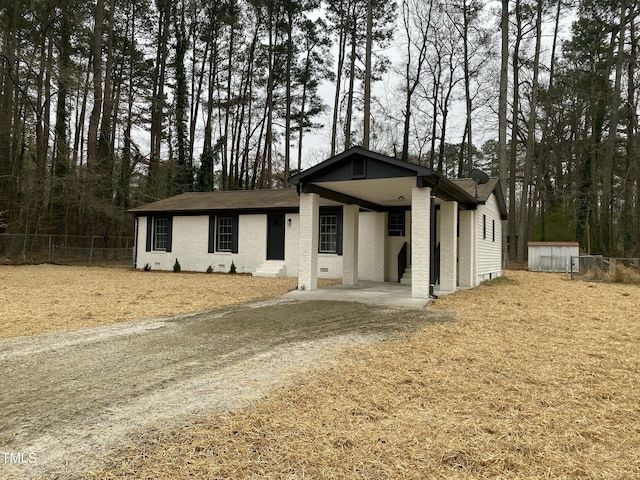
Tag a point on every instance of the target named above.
point(532, 376)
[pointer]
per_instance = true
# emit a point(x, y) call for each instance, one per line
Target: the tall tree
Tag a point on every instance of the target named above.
point(502, 116)
point(525, 229)
point(416, 21)
point(184, 164)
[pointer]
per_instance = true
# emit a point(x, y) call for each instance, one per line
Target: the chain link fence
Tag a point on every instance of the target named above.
point(587, 267)
point(597, 268)
point(66, 249)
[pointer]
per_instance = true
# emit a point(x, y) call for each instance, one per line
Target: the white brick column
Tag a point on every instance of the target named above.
point(308, 241)
point(420, 241)
point(371, 246)
point(350, 215)
point(467, 252)
point(448, 246)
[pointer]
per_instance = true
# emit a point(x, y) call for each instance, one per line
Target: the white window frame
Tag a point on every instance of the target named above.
point(160, 233)
point(328, 240)
point(224, 234)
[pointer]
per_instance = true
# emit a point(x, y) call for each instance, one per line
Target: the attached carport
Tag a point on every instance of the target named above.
point(368, 181)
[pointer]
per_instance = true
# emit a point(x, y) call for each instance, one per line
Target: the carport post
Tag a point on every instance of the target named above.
point(420, 241)
point(308, 241)
point(448, 246)
point(467, 256)
point(350, 244)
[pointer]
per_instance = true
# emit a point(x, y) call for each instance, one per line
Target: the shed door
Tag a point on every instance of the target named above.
point(275, 236)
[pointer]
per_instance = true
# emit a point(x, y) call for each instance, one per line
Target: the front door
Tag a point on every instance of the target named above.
point(275, 236)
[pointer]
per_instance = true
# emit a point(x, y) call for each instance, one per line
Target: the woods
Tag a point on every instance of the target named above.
point(110, 104)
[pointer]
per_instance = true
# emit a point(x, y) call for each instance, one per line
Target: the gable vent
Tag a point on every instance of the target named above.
point(358, 168)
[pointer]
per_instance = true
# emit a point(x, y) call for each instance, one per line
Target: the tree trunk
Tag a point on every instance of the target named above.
point(502, 120)
point(515, 233)
point(96, 58)
point(158, 98)
point(367, 77)
point(606, 206)
point(629, 239)
point(467, 87)
point(342, 47)
point(351, 92)
point(531, 142)
point(8, 185)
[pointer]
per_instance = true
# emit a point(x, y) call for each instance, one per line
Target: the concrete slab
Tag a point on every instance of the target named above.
point(373, 293)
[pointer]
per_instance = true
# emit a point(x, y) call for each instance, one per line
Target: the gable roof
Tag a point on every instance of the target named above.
point(483, 191)
point(247, 201)
point(375, 181)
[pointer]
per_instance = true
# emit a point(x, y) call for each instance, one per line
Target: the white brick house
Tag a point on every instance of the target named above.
point(359, 216)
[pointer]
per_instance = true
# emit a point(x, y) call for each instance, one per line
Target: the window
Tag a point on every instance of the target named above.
point(225, 234)
point(328, 234)
point(159, 234)
point(484, 227)
point(493, 230)
point(160, 229)
point(396, 224)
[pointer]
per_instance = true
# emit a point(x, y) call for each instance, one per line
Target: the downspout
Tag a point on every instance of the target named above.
point(432, 241)
point(135, 244)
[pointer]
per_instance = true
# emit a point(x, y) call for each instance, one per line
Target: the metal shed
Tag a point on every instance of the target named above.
point(552, 256)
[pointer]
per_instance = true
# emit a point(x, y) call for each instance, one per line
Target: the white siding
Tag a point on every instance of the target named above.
point(489, 245)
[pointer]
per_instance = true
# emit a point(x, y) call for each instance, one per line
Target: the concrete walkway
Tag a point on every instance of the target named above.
point(373, 293)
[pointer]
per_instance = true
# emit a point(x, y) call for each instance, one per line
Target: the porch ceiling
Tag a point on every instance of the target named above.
point(386, 192)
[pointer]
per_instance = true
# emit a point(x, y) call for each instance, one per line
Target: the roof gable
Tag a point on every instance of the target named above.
point(358, 163)
point(482, 191)
point(352, 176)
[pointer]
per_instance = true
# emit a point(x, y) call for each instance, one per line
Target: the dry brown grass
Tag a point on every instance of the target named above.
point(538, 378)
point(623, 274)
point(45, 298)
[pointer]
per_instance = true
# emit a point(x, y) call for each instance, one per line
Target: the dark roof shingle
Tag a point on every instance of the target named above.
point(245, 200)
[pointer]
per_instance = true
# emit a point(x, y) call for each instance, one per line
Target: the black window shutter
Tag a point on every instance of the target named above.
point(212, 233)
point(149, 232)
point(169, 233)
point(234, 234)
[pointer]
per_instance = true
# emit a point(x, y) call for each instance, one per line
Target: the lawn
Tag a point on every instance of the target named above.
point(539, 377)
point(46, 298)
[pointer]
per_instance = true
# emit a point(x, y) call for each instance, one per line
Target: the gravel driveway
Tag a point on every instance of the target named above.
point(68, 398)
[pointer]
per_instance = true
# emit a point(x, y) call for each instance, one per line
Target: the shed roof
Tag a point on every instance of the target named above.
point(553, 244)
